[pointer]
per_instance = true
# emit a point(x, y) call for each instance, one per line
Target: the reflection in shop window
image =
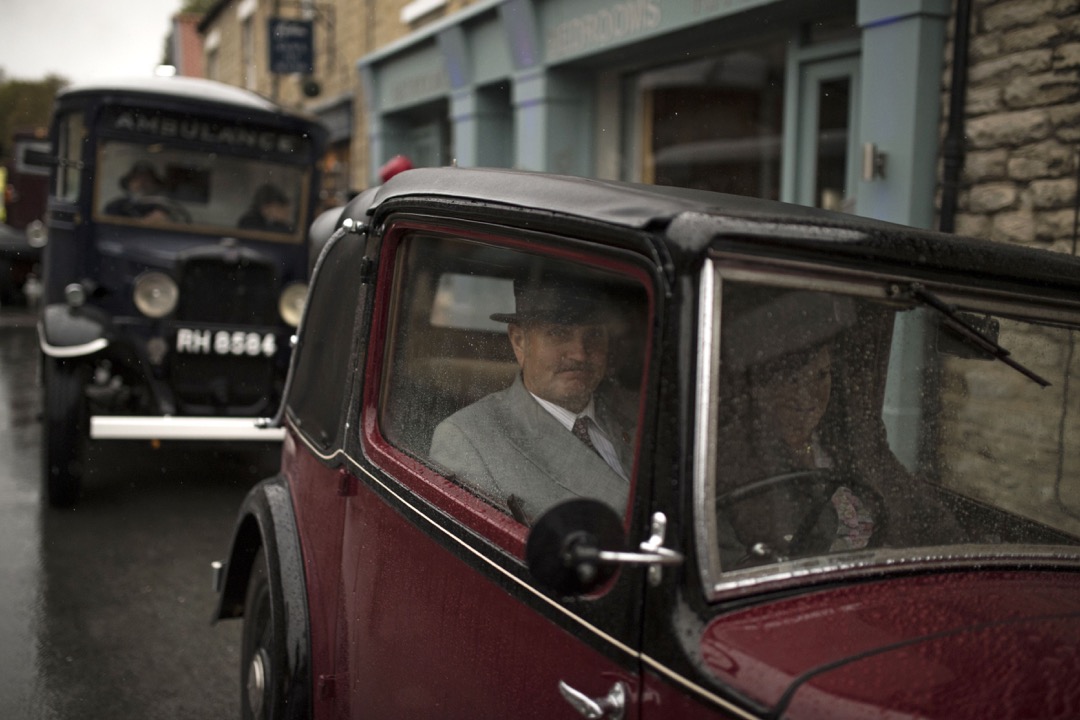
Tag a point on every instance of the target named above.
point(715, 123)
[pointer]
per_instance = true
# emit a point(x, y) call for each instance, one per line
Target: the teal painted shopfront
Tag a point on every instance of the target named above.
point(828, 103)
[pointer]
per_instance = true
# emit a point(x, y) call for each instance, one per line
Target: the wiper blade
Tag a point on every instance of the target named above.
point(966, 330)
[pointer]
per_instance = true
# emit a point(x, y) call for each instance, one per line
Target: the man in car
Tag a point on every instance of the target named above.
point(270, 210)
point(551, 435)
point(142, 197)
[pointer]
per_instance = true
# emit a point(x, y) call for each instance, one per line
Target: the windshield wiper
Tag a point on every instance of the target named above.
point(964, 329)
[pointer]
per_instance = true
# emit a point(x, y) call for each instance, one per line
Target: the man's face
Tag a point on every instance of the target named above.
point(276, 212)
point(143, 184)
point(562, 364)
point(797, 395)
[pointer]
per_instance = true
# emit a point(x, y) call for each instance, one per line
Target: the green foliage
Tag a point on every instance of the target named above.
point(197, 6)
point(25, 105)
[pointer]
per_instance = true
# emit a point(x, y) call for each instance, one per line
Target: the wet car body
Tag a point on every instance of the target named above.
point(373, 578)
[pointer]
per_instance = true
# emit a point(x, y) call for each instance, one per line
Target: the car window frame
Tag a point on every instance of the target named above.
point(720, 586)
point(496, 527)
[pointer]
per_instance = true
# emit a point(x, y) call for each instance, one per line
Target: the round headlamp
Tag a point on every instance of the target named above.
point(155, 294)
point(291, 303)
point(75, 295)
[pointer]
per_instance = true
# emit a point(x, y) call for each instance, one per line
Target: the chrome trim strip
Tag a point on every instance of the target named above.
point(706, 418)
point(135, 427)
point(70, 351)
point(726, 705)
point(880, 562)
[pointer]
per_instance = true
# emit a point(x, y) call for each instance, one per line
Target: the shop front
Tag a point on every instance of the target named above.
point(822, 103)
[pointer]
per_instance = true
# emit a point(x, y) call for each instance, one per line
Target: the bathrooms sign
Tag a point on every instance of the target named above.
point(291, 44)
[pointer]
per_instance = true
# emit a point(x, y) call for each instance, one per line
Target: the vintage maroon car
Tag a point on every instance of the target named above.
point(847, 452)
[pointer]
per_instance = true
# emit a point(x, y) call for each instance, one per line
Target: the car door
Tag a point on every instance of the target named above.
point(441, 615)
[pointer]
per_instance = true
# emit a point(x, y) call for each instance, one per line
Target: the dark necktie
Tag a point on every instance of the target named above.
point(581, 430)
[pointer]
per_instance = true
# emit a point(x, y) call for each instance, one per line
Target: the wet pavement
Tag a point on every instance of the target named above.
point(105, 608)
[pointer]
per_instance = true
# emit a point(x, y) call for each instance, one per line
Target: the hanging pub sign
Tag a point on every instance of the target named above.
point(291, 43)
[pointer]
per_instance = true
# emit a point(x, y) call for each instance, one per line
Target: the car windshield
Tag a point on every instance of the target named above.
point(861, 424)
point(208, 192)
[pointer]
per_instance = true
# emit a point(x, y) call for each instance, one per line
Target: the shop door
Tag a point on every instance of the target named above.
point(827, 134)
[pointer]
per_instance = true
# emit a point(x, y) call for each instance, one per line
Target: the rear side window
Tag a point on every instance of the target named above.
point(320, 379)
point(492, 354)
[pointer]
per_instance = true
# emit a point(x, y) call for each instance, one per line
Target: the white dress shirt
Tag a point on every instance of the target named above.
point(599, 437)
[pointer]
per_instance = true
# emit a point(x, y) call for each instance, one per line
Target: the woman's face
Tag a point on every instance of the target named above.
point(795, 394)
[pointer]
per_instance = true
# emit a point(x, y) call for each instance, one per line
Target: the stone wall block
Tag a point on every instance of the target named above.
point(992, 197)
point(1044, 160)
point(1065, 121)
point(970, 225)
point(1012, 129)
point(1002, 69)
point(1005, 15)
point(983, 47)
point(1063, 246)
point(1054, 225)
point(1031, 38)
point(1041, 90)
point(986, 165)
point(1014, 227)
point(1053, 194)
point(1067, 56)
point(983, 100)
point(1066, 7)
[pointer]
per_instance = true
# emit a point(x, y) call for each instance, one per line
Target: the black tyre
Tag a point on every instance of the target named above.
point(65, 431)
point(262, 654)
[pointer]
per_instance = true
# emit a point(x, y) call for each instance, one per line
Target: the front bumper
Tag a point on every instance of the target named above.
point(135, 427)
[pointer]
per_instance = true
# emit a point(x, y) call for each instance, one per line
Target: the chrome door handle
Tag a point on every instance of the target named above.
point(612, 705)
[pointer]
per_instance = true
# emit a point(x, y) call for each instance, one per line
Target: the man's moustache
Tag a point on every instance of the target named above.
point(573, 367)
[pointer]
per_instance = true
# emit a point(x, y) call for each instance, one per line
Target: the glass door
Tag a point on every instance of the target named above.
point(826, 162)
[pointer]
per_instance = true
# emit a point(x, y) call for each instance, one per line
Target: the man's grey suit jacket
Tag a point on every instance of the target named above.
point(506, 445)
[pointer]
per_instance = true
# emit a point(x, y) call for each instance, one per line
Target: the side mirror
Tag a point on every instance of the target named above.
point(564, 546)
point(576, 546)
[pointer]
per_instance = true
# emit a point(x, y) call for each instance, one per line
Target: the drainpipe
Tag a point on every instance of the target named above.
point(953, 150)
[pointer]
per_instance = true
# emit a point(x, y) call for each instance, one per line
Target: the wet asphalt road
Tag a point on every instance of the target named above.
point(105, 608)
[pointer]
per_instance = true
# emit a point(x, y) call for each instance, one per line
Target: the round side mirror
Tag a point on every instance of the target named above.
point(564, 545)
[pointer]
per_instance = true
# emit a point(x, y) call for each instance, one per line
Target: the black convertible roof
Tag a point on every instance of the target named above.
point(688, 221)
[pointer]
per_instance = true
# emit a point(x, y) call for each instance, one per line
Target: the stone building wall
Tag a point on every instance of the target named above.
point(1001, 437)
point(1023, 122)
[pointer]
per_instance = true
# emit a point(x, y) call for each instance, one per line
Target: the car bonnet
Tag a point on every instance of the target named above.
point(963, 645)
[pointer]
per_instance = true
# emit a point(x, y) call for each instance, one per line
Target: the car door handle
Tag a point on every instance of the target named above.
point(612, 705)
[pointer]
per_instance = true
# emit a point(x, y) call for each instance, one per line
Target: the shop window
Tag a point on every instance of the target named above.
point(715, 123)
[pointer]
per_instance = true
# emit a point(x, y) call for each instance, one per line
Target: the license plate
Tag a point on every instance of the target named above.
point(225, 342)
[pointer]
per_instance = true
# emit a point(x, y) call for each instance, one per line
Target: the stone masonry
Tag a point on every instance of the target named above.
point(1023, 122)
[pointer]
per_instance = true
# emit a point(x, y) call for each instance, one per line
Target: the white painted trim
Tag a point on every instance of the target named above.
point(246, 9)
point(419, 8)
point(118, 427)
